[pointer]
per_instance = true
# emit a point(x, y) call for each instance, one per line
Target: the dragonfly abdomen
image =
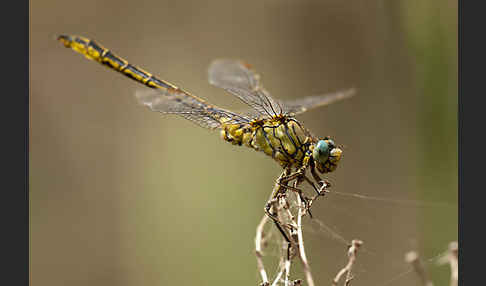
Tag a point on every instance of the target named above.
point(284, 140)
point(94, 51)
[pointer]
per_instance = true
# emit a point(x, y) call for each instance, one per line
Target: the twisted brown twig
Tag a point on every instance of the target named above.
point(290, 224)
point(352, 251)
point(413, 258)
point(452, 259)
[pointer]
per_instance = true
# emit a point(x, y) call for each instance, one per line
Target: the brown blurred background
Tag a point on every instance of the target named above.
point(123, 196)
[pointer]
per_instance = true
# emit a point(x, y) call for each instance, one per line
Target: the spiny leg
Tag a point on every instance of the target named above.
point(312, 184)
point(272, 203)
point(275, 220)
point(300, 173)
point(323, 184)
point(282, 184)
point(307, 201)
point(299, 176)
point(290, 177)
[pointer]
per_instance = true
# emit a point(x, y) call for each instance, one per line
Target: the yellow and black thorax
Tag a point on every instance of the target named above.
point(282, 138)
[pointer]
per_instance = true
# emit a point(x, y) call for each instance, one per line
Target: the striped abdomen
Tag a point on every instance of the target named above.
point(284, 140)
point(94, 51)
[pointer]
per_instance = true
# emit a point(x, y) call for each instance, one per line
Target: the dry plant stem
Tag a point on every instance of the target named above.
point(291, 227)
point(297, 282)
point(453, 256)
point(280, 273)
point(412, 257)
point(280, 207)
point(352, 251)
point(285, 259)
point(259, 250)
point(300, 239)
point(284, 265)
point(451, 259)
point(287, 267)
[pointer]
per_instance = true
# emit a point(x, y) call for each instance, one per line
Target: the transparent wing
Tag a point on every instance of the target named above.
point(173, 101)
point(301, 105)
point(242, 81)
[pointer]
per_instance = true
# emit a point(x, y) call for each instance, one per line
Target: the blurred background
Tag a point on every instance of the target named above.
point(123, 196)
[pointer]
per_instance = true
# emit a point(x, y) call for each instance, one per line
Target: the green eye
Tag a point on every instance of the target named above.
point(321, 151)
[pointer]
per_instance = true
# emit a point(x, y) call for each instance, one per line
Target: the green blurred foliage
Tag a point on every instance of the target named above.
point(432, 35)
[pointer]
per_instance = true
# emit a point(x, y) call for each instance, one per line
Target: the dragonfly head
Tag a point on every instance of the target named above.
point(326, 155)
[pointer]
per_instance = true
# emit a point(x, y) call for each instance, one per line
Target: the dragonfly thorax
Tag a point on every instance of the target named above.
point(285, 140)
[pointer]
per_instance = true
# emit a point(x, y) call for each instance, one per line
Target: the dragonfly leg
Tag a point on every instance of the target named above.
point(323, 184)
point(308, 162)
point(314, 174)
point(275, 219)
point(307, 201)
point(291, 177)
point(300, 173)
point(272, 203)
point(312, 184)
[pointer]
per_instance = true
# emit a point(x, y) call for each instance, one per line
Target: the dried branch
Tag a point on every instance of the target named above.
point(300, 239)
point(259, 243)
point(451, 259)
point(412, 257)
point(289, 223)
point(280, 273)
point(453, 262)
point(287, 268)
point(352, 251)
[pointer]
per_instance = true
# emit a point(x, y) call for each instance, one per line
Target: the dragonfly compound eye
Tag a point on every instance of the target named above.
point(321, 151)
point(326, 155)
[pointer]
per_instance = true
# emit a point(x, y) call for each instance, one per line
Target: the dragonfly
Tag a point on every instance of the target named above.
point(269, 126)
